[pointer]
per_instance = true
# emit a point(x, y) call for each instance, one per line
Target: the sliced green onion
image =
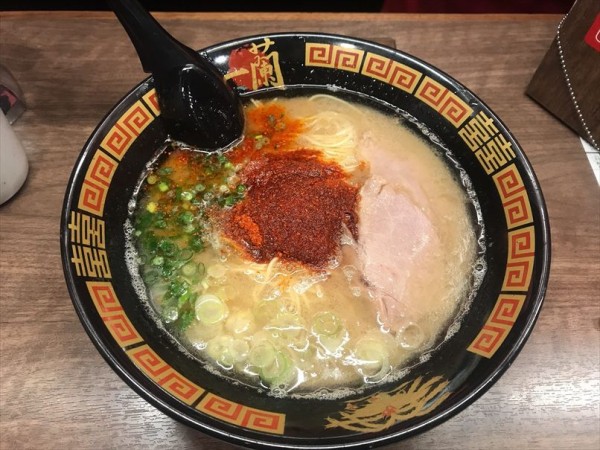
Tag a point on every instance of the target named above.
point(186, 218)
point(260, 141)
point(163, 186)
point(152, 179)
point(189, 228)
point(411, 336)
point(151, 207)
point(239, 350)
point(210, 309)
point(183, 299)
point(196, 243)
point(199, 187)
point(165, 171)
point(167, 270)
point(150, 242)
point(190, 269)
point(333, 344)
point(167, 247)
point(186, 254)
point(372, 356)
point(227, 351)
point(186, 195)
point(189, 298)
point(231, 200)
point(178, 288)
point(326, 324)
point(279, 372)
point(241, 188)
point(158, 261)
point(218, 349)
point(186, 318)
point(192, 272)
point(262, 355)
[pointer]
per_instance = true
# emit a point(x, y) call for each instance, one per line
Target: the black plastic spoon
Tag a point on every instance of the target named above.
point(197, 105)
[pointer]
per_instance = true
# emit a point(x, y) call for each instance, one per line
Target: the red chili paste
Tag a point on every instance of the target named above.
point(294, 208)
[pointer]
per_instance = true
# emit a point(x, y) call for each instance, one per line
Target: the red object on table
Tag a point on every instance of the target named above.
point(592, 37)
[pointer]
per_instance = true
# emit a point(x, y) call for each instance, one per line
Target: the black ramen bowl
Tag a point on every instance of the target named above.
point(491, 333)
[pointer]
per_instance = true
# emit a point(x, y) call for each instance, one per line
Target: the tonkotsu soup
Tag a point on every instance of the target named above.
point(329, 250)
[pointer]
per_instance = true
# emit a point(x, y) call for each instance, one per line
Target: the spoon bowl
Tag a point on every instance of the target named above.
point(199, 108)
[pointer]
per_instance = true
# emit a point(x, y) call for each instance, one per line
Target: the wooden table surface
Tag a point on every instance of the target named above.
point(56, 391)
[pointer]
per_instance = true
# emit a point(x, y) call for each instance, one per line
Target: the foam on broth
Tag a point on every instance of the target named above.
point(299, 331)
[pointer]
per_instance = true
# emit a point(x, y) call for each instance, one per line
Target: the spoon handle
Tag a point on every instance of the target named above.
point(156, 48)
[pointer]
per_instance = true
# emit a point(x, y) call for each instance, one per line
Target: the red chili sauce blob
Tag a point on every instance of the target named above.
point(295, 207)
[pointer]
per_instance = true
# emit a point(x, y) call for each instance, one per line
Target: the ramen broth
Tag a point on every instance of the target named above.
point(271, 282)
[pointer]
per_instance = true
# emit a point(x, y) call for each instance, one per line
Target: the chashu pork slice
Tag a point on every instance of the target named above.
point(396, 244)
